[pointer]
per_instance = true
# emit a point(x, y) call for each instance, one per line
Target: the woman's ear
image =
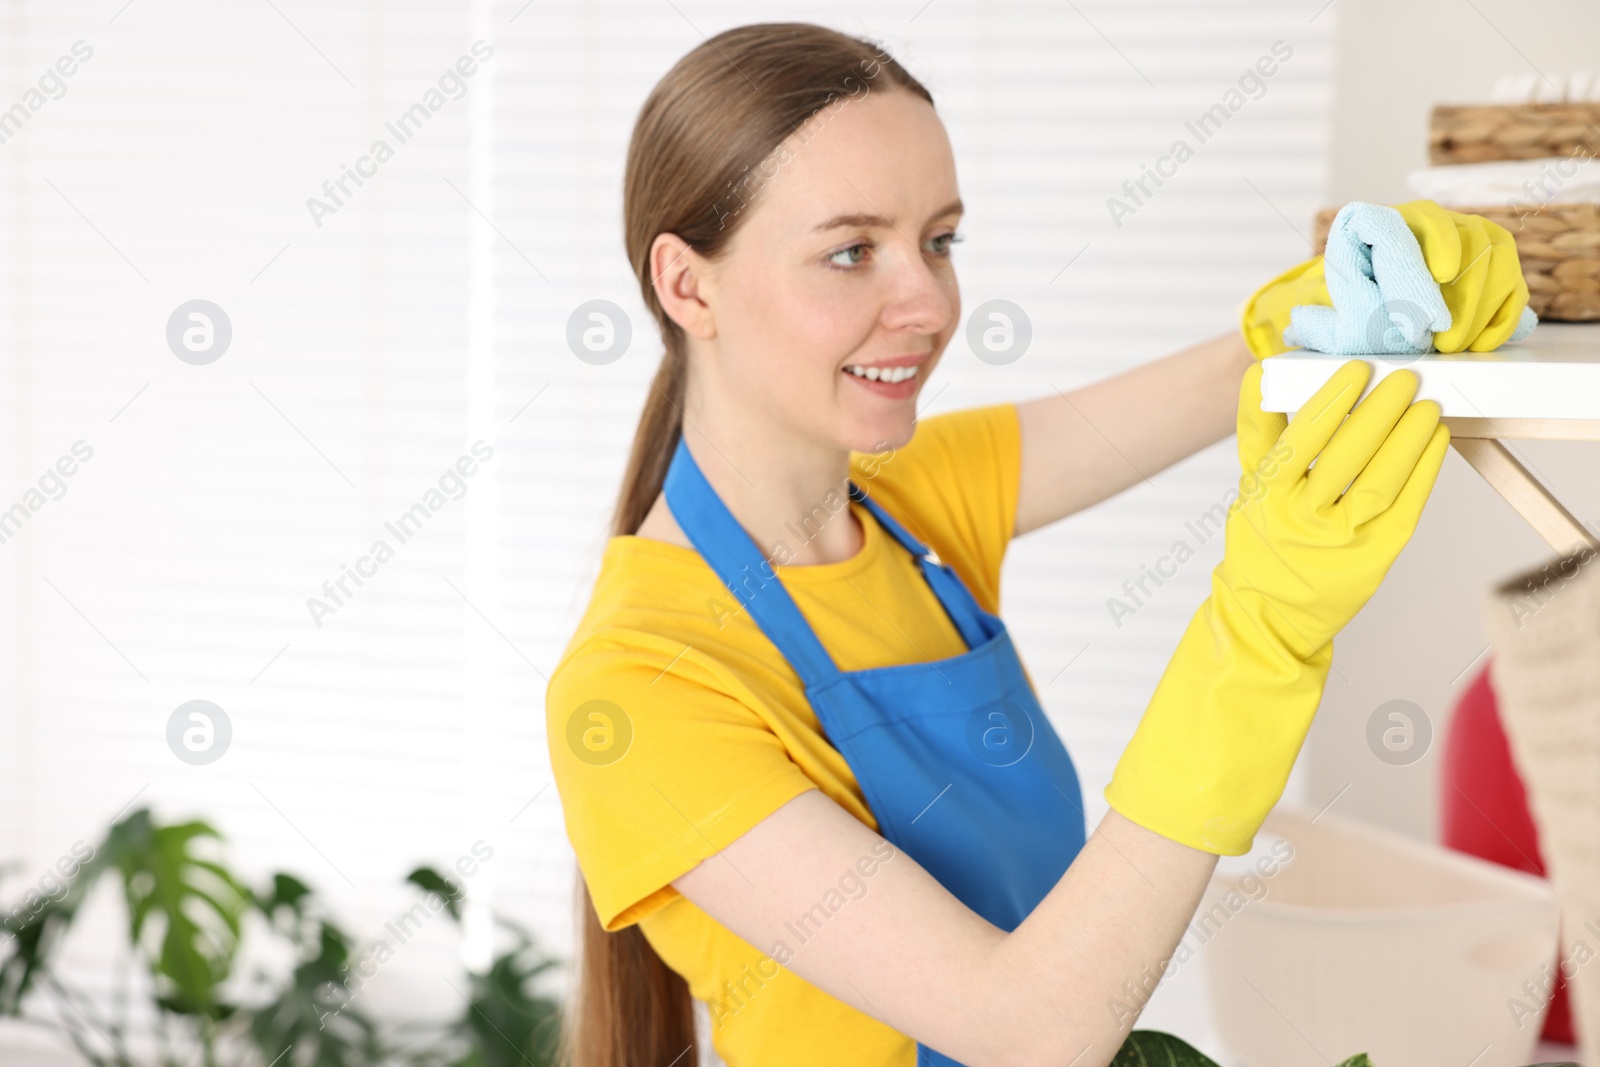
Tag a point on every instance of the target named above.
point(679, 276)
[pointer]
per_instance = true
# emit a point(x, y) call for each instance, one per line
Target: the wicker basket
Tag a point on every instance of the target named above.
point(1559, 248)
point(1544, 625)
point(1482, 133)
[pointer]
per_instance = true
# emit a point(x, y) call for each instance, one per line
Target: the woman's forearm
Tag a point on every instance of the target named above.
point(1090, 444)
point(1065, 987)
point(1077, 972)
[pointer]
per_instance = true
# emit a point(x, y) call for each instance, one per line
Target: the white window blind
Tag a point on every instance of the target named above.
point(374, 343)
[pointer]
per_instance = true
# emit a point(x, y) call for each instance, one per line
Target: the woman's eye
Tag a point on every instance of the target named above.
point(855, 251)
point(941, 244)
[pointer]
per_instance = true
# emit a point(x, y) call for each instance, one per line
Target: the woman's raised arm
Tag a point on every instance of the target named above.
point(1082, 447)
point(909, 953)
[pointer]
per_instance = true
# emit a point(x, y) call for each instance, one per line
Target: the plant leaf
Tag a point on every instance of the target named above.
point(36, 936)
point(198, 903)
point(431, 881)
point(1155, 1048)
point(315, 1012)
point(509, 1026)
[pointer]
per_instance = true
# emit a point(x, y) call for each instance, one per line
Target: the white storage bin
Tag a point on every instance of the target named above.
point(1367, 940)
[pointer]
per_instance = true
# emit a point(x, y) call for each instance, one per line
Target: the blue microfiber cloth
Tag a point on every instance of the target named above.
point(1385, 300)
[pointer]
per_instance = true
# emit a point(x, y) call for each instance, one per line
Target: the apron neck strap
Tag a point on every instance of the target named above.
point(889, 522)
point(964, 612)
point(743, 567)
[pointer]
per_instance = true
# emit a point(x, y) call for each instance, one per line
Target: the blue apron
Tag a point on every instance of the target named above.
point(955, 757)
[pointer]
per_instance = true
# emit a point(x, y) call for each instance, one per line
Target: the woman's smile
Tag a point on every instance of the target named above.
point(895, 378)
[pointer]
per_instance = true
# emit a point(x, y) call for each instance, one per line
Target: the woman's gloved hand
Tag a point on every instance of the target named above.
point(1265, 314)
point(1479, 273)
point(1473, 259)
point(1303, 554)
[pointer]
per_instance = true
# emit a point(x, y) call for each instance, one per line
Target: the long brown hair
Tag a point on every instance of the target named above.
point(706, 138)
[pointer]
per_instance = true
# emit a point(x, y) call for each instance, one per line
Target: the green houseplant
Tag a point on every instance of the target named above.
point(187, 917)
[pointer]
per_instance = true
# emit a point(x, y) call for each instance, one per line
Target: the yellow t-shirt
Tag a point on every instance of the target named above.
point(703, 728)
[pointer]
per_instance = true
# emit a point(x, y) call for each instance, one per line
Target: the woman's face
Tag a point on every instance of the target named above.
point(842, 262)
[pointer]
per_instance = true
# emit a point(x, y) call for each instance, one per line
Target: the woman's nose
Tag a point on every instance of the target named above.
point(923, 292)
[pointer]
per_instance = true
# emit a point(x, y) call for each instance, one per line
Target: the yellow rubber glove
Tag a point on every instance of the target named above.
point(1302, 555)
point(1265, 314)
point(1479, 273)
point(1473, 259)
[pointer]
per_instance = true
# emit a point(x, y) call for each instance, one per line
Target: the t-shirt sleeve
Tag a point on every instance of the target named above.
point(955, 486)
point(658, 766)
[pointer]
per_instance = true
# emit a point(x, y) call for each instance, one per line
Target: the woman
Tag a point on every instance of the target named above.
point(807, 778)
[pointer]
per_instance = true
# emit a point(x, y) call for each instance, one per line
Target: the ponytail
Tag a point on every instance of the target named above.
point(630, 1007)
point(660, 426)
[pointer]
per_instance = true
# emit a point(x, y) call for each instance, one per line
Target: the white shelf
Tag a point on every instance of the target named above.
point(1553, 374)
point(1547, 387)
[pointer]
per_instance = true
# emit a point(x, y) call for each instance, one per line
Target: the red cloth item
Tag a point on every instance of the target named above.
point(1483, 810)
